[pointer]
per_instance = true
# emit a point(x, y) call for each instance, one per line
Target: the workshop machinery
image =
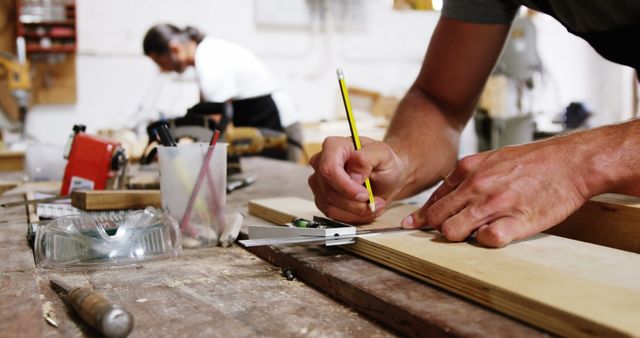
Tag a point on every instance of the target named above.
point(241, 141)
point(16, 70)
point(505, 113)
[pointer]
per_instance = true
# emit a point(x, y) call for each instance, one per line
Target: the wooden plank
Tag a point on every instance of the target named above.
point(610, 219)
point(402, 303)
point(282, 210)
point(11, 160)
point(565, 286)
point(116, 199)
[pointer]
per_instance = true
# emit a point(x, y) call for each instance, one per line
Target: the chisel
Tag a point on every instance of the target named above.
point(109, 319)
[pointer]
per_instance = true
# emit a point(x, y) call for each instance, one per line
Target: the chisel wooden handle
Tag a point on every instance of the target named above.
point(109, 319)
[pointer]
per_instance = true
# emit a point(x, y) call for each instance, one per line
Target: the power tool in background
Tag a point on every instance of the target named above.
point(94, 163)
point(244, 138)
point(16, 69)
point(242, 141)
point(252, 141)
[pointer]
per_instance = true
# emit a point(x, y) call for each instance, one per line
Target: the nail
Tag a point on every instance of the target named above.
point(407, 222)
point(379, 204)
point(362, 196)
point(379, 207)
point(357, 177)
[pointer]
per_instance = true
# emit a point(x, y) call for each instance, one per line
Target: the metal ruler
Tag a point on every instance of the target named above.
point(323, 231)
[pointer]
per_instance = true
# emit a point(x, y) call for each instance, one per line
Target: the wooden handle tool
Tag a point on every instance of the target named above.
point(109, 319)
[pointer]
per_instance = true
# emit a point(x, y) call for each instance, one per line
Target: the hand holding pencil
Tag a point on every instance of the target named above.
point(339, 182)
point(354, 131)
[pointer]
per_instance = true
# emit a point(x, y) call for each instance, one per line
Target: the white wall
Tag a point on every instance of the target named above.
point(575, 72)
point(380, 49)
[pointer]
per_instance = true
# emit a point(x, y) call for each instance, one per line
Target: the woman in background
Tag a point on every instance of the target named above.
point(227, 73)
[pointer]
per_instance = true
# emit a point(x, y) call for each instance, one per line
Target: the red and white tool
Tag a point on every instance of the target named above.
point(94, 163)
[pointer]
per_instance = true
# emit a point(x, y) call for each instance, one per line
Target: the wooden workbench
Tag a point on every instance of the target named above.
point(231, 292)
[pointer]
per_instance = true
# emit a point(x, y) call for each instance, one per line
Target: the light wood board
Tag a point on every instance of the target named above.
point(565, 286)
point(390, 297)
point(116, 199)
point(285, 209)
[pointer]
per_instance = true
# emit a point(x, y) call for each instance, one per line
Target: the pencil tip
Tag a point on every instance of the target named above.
point(372, 206)
point(339, 73)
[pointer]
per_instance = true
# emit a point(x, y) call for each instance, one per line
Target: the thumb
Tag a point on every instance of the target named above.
point(416, 219)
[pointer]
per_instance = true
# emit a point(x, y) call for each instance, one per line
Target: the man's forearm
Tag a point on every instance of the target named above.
point(425, 139)
point(610, 157)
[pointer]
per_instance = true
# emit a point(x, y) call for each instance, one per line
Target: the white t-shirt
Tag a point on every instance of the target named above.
point(227, 71)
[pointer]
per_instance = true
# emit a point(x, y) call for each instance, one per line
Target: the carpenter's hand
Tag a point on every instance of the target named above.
point(340, 172)
point(507, 194)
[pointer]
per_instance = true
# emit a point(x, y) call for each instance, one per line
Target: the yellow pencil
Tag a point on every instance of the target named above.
point(354, 131)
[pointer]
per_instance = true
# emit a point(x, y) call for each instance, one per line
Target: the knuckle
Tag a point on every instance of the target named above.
point(466, 164)
point(450, 232)
point(327, 142)
point(479, 183)
point(313, 161)
point(321, 204)
point(430, 217)
point(478, 212)
point(502, 201)
point(329, 212)
point(313, 184)
point(332, 212)
point(495, 237)
point(325, 171)
point(330, 141)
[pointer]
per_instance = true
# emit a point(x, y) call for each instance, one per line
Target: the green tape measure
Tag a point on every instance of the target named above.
point(305, 223)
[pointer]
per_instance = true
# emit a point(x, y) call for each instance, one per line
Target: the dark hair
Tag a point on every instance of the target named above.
point(157, 39)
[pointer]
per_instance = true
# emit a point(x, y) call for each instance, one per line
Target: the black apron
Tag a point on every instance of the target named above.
point(260, 112)
point(618, 45)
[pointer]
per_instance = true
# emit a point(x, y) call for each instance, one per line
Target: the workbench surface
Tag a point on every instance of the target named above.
point(231, 292)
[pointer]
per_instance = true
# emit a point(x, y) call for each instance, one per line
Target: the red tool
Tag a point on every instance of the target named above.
point(92, 162)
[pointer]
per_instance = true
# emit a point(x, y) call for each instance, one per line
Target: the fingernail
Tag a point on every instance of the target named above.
point(362, 196)
point(379, 204)
point(379, 208)
point(407, 222)
point(356, 177)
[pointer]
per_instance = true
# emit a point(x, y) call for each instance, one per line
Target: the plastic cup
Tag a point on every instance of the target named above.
point(180, 168)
